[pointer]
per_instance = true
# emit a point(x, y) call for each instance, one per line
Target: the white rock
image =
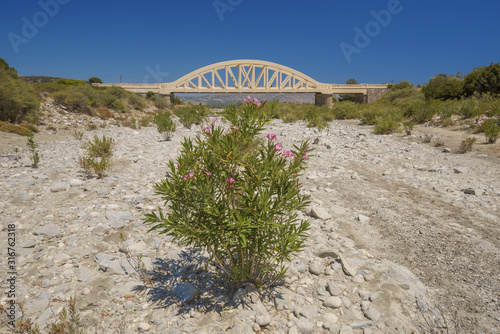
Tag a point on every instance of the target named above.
point(332, 302)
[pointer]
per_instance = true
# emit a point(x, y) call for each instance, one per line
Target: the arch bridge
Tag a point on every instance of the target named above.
point(254, 77)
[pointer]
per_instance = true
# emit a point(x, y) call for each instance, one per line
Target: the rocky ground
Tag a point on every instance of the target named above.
point(401, 232)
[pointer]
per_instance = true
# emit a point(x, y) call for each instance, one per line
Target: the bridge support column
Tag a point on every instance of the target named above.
point(169, 97)
point(324, 99)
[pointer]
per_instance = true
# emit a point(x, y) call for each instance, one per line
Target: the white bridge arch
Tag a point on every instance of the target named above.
point(254, 76)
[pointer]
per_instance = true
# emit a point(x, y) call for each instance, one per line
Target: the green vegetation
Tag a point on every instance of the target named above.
point(93, 80)
point(165, 124)
point(190, 114)
point(443, 87)
point(97, 156)
point(466, 145)
point(18, 100)
point(236, 195)
point(17, 129)
point(32, 146)
point(491, 130)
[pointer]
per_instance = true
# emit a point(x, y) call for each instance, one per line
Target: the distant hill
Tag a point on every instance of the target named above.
point(225, 99)
point(38, 79)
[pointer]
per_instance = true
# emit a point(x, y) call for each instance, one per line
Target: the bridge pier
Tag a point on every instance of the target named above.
point(324, 99)
point(169, 98)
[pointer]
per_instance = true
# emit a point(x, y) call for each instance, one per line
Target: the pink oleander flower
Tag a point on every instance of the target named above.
point(248, 98)
point(235, 127)
point(189, 176)
point(230, 180)
point(271, 136)
point(305, 157)
point(208, 173)
point(207, 129)
point(288, 154)
point(256, 102)
point(278, 147)
point(307, 147)
point(214, 120)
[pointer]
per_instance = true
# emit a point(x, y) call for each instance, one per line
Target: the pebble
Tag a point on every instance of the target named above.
point(333, 302)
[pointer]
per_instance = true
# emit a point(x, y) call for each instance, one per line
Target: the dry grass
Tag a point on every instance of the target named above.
point(17, 129)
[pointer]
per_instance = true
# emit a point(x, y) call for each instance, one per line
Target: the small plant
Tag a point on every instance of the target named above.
point(16, 149)
point(77, 134)
point(165, 125)
point(427, 139)
point(97, 156)
point(236, 195)
point(408, 127)
point(92, 126)
point(68, 321)
point(439, 142)
point(466, 145)
point(32, 146)
point(491, 130)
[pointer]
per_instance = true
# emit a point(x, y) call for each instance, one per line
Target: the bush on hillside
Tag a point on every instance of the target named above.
point(18, 100)
point(94, 80)
point(483, 80)
point(491, 130)
point(400, 85)
point(443, 87)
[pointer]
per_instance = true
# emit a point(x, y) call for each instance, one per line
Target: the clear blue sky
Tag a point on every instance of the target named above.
point(161, 39)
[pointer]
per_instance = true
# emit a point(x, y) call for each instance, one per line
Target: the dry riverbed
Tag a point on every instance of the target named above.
point(399, 228)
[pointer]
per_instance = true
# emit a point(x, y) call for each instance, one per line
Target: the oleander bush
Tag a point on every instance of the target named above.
point(236, 195)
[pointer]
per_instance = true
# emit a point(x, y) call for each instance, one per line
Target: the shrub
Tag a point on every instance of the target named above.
point(346, 110)
point(73, 100)
point(17, 98)
point(30, 127)
point(12, 128)
point(423, 111)
point(150, 95)
point(165, 125)
point(443, 87)
point(191, 114)
point(178, 101)
point(466, 145)
point(146, 120)
point(161, 102)
point(401, 85)
point(386, 125)
point(104, 113)
point(482, 80)
point(236, 196)
point(97, 156)
point(93, 80)
point(290, 113)
point(135, 101)
point(491, 130)
point(318, 116)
